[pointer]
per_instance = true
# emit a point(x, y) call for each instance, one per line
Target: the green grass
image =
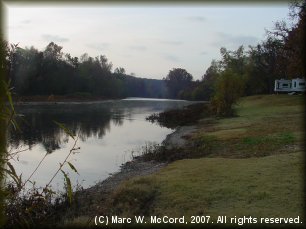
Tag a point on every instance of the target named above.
point(254, 167)
point(265, 125)
point(259, 187)
point(282, 138)
point(232, 187)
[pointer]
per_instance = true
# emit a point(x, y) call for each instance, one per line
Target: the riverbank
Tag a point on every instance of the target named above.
point(247, 165)
point(96, 199)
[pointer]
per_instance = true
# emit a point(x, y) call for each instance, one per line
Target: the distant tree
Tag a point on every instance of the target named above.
point(280, 55)
point(52, 72)
point(120, 71)
point(177, 80)
point(235, 60)
point(84, 57)
point(25, 70)
point(73, 61)
point(53, 51)
point(105, 65)
point(205, 89)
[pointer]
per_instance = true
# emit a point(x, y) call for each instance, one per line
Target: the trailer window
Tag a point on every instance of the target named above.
point(301, 84)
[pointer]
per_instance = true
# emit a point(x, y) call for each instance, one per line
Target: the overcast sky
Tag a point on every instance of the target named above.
point(148, 40)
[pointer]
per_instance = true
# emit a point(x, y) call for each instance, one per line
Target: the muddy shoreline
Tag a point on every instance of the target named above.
point(94, 199)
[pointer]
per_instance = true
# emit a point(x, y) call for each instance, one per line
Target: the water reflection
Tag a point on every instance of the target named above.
point(37, 124)
point(107, 130)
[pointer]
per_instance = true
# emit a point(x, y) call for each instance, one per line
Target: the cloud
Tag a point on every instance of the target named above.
point(127, 55)
point(203, 53)
point(171, 58)
point(171, 42)
point(25, 21)
point(233, 41)
point(99, 46)
point(196, 18)
point(138, 47)
point(54, 38)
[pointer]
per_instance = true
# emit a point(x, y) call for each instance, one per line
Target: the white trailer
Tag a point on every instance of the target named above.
point(298, 85)
point(294, 85)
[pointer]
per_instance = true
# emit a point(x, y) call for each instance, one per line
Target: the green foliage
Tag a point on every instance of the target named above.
point(179, 117)
point(73, 167)
point(280, 55)
point(51, 72)
point(29, 207)
point(6, 113)
point(120, 71)
point(12, 173)
point(177, 81)
point(254, 166)
point(35, 206)
point(68, 187)
point(292, 39)
point(228, 89)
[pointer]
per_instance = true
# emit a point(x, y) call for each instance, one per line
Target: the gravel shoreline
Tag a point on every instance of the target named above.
point(92, 200)
point(177, 138)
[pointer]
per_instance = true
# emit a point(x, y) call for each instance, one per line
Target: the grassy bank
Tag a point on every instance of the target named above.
point(248, 165)
point(265, 125)
point(259, 187)
point(253, 167)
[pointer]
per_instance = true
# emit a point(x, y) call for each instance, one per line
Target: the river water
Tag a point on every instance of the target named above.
point(109, 131)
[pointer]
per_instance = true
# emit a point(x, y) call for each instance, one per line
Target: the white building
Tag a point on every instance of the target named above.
point(294, 85)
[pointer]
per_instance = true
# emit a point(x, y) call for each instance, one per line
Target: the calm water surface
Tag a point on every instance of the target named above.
point(108, 132)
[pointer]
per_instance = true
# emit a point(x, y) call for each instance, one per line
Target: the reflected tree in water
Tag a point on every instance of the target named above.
point(37, 126)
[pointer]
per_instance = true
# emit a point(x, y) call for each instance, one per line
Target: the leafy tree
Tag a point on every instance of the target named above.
point(267, 63)
point(235, 60)
point(205, 89)
point(53, 51)
point(188, 93)
point(73, 61)
point(293, 41)
point(228, 89)
point(177, 80)
point(120, 71)
point(105, 65)
point(25, 70)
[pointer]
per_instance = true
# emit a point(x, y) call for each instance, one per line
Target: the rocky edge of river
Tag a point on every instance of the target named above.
point(92, 200)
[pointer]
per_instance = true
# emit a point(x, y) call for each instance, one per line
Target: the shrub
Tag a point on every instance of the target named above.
point(228, 89)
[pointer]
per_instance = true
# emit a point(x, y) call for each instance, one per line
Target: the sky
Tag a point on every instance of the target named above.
point(147, 40)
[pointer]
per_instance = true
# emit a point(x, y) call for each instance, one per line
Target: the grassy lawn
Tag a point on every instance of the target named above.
point(269, 186)
point(265, 125)
point(255, 167)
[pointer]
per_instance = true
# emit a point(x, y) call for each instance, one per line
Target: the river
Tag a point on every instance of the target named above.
point(109, 131)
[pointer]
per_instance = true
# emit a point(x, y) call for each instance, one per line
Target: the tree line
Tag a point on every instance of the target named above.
point(248, 72)
point(239, 72)
point(52, 72)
